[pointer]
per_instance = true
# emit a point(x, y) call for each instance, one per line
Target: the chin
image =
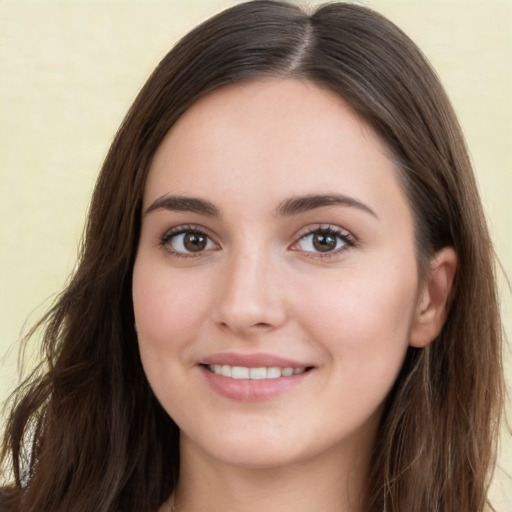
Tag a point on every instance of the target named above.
point(270, 446)
point(250, 448)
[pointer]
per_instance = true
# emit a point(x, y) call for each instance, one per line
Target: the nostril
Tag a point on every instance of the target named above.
point(261, 324)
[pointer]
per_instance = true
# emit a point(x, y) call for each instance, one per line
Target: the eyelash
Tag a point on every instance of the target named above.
point(326, 230)
point(182, 230)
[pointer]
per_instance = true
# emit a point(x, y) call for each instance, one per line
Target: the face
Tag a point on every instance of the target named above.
point(275, 283)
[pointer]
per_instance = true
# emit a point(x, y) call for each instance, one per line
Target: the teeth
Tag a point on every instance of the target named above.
point(239, 372)
point(258, 373)
point(243, 372)
point(274, 372)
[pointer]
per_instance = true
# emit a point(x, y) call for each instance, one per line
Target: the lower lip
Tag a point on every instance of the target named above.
point(252, 390)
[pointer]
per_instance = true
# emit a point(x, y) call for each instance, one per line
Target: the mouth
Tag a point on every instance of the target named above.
point(255, 373)
point(253, 377)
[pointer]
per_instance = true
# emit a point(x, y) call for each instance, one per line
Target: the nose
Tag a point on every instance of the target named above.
point(251, 295)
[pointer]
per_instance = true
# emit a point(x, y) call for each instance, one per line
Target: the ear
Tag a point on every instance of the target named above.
point(432, 304)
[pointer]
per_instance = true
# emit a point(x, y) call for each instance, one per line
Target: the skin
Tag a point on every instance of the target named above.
point(260, 285)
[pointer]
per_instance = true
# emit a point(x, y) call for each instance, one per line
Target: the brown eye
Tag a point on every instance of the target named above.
point(187, 243)
point(324, 242)
point(194, 242)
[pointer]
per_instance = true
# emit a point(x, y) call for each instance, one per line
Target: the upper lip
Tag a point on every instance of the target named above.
point(257, 360)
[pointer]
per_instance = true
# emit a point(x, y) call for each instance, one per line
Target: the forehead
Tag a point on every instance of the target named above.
point(274, 138)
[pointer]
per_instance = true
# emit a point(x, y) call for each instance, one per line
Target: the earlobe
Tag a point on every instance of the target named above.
point(433, 298)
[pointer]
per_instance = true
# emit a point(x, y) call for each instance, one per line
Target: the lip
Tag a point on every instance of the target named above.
point(256, 360)
point(248, 390)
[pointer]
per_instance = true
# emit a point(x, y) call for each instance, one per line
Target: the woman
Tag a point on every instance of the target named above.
point(286, 298)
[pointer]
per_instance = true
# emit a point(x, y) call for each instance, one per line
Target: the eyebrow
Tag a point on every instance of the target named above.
point(288, 207)
point(301, 204)
point(184, 204)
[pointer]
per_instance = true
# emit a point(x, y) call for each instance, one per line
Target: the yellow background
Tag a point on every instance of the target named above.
point(70, 69)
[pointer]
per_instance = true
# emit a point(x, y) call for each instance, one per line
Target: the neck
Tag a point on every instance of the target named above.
point(329, 483)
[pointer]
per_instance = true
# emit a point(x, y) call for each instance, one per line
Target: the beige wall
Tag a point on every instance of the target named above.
point(70, 69)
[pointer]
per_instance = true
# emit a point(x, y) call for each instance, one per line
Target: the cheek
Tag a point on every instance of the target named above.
point(167, 307)
point(363, 319)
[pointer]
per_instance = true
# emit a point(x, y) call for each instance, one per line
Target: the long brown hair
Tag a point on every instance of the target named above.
point(86, 433)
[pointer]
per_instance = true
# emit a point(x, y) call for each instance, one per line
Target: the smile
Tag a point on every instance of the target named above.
point(244, 372)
